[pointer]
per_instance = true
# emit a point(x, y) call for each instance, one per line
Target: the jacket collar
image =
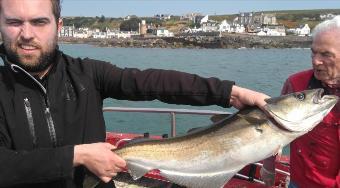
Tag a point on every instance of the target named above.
point(315, 83)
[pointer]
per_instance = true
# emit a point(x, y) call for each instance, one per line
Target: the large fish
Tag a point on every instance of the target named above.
point(212, 156)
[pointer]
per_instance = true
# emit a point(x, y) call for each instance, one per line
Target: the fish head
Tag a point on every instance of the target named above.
point(301, 111)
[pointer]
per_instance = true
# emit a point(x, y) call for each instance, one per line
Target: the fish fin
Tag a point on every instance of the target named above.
point(252, 120)
point(195, 129)
point(137, 170)
point(219, 117)
point(90, 181)
point(258, 128)
point(199, 180)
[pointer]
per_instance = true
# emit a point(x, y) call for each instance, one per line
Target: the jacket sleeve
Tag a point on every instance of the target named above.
point(165, 85)
point(40, 165)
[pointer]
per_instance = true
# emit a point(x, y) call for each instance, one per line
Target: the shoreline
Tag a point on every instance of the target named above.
point(227, 41)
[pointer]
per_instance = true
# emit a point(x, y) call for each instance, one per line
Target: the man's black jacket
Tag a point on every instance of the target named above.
point(41, 123)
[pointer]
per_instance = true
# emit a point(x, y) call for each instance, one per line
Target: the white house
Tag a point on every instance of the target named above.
point(275, 30)
point(67, 31)
point(80, 34)
point(162, 32)
point(126, 34)
point(111, 34)
point(224, 26)
point(209, 26)
point(83, 32)
point(303, 30)
point(99, 35)
point(204, 19)
point(237, 28)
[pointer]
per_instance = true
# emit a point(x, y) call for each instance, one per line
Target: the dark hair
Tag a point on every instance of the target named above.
point(56, 8)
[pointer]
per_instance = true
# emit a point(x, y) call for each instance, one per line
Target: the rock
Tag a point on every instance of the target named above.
point(232, 41)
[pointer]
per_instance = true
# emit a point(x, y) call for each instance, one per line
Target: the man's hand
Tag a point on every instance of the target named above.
point(241, 97)
point(99, 159)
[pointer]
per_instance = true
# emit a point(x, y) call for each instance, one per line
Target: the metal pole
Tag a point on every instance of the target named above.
point(173, 124)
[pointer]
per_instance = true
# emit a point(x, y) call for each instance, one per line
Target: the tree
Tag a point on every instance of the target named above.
point(102, 19)
point(130, 25)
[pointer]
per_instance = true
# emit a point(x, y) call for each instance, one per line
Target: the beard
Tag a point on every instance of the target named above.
point(32, 63)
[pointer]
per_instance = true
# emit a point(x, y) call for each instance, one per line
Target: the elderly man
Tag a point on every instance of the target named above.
point(315, 157)
point(52, 129)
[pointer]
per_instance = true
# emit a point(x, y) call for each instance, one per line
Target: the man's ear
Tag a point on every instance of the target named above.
point(60, 24)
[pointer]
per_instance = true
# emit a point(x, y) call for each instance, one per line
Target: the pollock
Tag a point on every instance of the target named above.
point(210, 157)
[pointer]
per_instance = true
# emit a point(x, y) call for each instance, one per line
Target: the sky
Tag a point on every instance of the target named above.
point(148, 8)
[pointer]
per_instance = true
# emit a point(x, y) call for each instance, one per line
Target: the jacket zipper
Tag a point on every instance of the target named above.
point(50, 123)
point(29, 116)
point(48, 116)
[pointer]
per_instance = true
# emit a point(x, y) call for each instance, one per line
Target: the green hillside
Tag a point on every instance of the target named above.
point(294, 18)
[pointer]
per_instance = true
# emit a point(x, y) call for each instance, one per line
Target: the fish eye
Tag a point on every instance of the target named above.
point(300, 96)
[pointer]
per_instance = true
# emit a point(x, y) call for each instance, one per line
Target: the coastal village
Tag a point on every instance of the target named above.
point(247, 23)
point(204, 29)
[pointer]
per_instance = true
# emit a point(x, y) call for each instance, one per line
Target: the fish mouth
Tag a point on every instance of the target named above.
point(319, 97)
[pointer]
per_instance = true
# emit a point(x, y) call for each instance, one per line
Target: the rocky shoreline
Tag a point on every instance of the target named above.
point(227, 41)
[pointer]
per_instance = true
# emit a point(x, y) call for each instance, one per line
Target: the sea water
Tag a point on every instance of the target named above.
point(263, 70)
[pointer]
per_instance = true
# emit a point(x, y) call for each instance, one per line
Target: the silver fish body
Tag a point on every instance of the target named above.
point(212, 156)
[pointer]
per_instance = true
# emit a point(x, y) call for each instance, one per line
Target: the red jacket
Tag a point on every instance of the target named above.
point(315, 157)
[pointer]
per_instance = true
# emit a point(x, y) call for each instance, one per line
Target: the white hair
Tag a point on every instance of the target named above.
point(327, 25)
